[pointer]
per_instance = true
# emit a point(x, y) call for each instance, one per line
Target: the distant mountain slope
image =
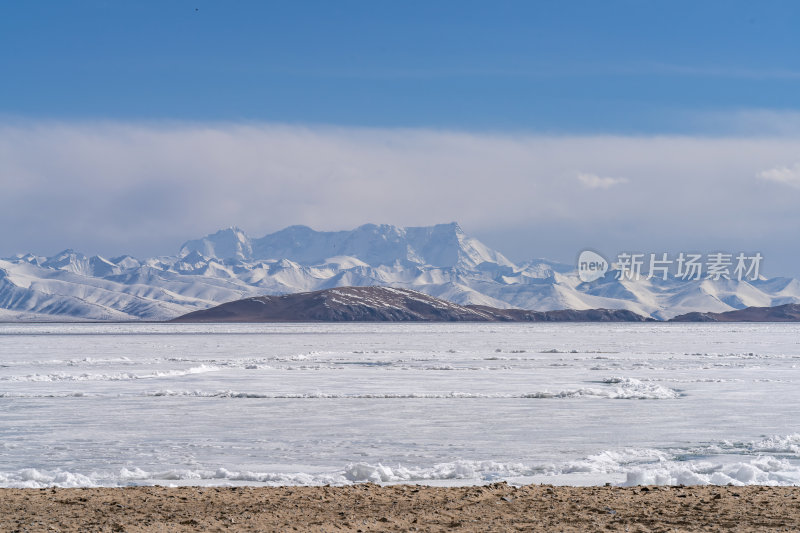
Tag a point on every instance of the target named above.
point(441, 261)
point(443, 245)
point(780, 313)
point(383, 304)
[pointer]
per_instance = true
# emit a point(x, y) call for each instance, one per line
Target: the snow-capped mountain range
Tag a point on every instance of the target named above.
point(439, 260)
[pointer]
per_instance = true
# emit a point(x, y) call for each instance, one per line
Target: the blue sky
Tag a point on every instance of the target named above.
point(625, 67)
point(543, 127)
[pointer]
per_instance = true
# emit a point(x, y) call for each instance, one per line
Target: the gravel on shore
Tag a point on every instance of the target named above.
point(369, 507)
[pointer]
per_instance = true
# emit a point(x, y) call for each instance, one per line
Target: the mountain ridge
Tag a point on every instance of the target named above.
point(384, 304)
point(440, 260)
point(778, 313)
point(444, 245)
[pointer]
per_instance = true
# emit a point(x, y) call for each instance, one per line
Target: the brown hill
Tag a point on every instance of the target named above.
point(779, 313)
point(384, 304)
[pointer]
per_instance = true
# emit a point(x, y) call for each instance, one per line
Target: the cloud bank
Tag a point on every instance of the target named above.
point(112, 187)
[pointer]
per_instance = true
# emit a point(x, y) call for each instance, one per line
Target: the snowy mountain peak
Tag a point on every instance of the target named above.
point(126, 262)
point(448, 245)
point(439, 260)
point(67, 259)
point(29, 258)
point(442, 245)
point(229, 243)
point(71, 261)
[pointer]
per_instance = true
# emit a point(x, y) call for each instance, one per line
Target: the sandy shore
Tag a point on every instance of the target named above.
point(368, 507)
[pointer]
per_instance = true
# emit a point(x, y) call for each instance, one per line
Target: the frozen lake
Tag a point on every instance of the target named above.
point(121, 404)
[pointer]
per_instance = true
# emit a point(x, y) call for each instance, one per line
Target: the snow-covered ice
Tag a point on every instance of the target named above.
point(128, 404)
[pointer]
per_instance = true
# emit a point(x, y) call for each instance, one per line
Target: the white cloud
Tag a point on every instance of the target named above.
point(593, 181)
point(785, 175)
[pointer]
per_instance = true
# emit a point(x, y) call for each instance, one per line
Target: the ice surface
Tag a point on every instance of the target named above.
point(128, 404)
